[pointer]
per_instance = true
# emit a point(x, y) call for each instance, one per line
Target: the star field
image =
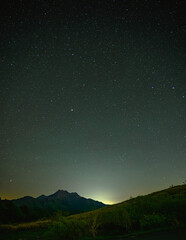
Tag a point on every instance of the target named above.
point(92, 97)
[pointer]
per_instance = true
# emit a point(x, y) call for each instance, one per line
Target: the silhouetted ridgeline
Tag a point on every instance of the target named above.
point(159, 210)
point(29, 208)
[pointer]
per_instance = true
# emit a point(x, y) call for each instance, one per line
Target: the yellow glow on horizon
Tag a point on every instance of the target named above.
point(107, 202)
point(101, 198)
point(9, 197)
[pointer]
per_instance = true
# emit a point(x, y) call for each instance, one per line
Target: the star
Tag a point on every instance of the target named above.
point(85, 89)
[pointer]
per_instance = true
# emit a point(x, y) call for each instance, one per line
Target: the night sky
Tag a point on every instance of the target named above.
point(92, 97)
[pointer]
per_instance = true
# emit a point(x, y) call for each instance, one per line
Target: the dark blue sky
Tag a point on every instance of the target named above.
point(92, 97)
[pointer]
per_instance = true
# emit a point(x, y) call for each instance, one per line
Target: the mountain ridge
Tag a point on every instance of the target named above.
point(61, 200)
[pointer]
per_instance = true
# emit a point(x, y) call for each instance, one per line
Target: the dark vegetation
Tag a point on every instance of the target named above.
point(29, 208)
point(160, 210)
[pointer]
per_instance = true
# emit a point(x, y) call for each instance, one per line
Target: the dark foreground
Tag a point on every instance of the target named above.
point(177, 234)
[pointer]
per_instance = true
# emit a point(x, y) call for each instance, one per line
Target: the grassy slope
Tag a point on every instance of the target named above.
point(175, 193)
point(158, 210)
point(166, 208)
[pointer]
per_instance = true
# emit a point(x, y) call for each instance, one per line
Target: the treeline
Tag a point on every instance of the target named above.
point(10, 213)
point(26, 210)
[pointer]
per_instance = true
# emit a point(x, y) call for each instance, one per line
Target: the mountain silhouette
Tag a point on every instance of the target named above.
point(68, 203)
point(41, 197)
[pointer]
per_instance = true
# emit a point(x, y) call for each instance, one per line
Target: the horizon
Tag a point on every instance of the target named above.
point(92, 98)
point(105, 202)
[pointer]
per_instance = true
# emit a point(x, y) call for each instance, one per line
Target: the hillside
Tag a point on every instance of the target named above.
point(165, 209)
point(169, 201)
point(162, 209)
